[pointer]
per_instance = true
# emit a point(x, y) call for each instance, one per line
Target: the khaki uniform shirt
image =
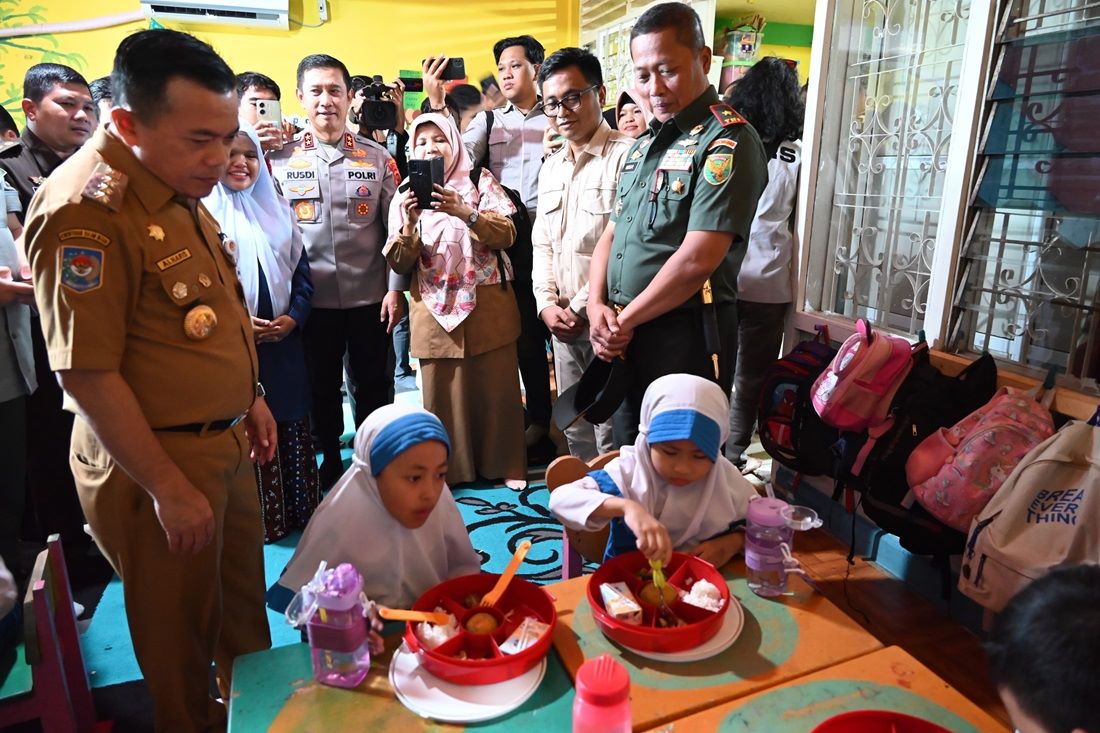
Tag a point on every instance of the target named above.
point(341, 196)
point(576, 196)
point(27, 163)
point(120, 260)
point(703, 170)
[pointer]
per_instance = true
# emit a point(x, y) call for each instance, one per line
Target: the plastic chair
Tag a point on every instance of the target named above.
point(578, 547)
point(58, 694)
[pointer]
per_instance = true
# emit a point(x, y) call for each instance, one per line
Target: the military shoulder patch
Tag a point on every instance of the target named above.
point(726, 115)
point(82, 268)
point(718, 168)
point(722, 142)
point(90, 234)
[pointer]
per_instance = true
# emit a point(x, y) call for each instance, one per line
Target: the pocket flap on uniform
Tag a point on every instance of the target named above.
point(598, 200)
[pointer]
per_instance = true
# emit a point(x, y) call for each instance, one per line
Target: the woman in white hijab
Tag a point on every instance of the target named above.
point(403, 537)
point(274, 272)
point(673, 489)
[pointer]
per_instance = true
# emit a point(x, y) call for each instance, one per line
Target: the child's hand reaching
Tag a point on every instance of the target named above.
point(720, 550)
point(653, 539)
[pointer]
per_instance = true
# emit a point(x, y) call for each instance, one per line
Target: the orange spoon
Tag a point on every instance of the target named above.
point(432, 617)
point(494, 595)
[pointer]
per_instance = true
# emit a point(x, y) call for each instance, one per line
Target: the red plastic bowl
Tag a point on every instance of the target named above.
point(682, 571)
point(877, 721)
point(485, 663)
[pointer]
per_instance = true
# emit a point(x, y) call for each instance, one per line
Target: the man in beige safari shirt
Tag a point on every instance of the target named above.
point(576, 194)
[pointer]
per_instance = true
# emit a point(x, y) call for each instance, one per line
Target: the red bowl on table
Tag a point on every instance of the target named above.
point(877, 721)
point(484, 663)
point(682, 572)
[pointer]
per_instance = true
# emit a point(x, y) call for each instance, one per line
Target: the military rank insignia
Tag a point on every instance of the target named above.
point(718, 168)
point(106, 186)
point(81, 268)
point(726, 115)
point(307, 141)
point(349, 141)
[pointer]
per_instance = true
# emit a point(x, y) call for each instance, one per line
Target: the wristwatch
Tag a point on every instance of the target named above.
point(472, 218)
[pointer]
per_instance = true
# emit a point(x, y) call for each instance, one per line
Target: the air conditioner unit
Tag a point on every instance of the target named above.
point(254, 13)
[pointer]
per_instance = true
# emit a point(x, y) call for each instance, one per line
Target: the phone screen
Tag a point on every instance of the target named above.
point(413, 83)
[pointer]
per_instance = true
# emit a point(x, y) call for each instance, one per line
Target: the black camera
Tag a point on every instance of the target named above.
point(377, 111)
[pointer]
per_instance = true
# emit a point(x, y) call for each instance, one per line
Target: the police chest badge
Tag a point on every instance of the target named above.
point(718, 168)
point(81, 268)
point(199, 322)
point(305, 210)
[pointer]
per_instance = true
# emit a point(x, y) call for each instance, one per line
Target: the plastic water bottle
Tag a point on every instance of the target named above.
point(338, 629)
point(767, 531)
point(602, 702)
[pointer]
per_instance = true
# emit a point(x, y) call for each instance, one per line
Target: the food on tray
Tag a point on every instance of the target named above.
point(704, 594)
point(666, 619)
point(652, 596)
point(471, 600)
point(621, 603)
point(525, 635)
point(481, 623)
point(432, 635)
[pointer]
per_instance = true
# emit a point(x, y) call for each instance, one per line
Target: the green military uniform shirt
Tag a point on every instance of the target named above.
point(703, 170)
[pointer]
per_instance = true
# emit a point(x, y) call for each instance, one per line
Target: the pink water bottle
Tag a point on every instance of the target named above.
point(602, 702)
point(338, 629)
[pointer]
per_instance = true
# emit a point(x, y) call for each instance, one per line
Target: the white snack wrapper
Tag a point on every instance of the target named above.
point(529, 631)
point(620, 603)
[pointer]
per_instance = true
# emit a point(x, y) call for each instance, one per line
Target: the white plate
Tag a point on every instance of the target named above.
point(430, 697)
point(720, 642)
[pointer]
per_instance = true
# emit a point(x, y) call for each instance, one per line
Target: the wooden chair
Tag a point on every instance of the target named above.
point(578, 547)
point(47, 681)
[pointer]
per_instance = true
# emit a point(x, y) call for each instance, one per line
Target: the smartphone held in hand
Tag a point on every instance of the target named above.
point(424, 174)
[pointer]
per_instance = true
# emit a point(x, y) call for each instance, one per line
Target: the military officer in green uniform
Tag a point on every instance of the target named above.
point(147, 329)
point(682, 213)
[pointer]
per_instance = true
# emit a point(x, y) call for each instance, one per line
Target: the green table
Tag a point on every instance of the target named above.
point(274, 690)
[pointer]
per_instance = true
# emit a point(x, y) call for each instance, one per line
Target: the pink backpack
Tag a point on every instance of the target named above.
point(856, 389)
point(953, 473)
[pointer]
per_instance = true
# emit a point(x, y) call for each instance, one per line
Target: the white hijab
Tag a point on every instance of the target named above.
point(259, 220)
point(701, 509)
point(352, 525)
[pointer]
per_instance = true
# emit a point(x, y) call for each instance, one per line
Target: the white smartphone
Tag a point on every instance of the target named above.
point(268, 110)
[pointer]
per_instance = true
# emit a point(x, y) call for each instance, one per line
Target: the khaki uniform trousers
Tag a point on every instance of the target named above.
point(184, 610)
point(586, 441)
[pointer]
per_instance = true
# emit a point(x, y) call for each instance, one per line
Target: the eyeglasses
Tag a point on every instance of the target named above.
point(571, 102)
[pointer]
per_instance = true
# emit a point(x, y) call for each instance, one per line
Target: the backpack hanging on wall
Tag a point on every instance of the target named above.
point(790, 430)
point(1046, 514)
point(953, 473)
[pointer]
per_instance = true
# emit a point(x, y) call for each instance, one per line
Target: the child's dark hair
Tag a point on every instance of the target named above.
point(1045, 649)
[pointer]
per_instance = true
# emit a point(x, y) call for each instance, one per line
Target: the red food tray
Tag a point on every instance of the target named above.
point(682, 571)
point(484, 663)
point(877, 721)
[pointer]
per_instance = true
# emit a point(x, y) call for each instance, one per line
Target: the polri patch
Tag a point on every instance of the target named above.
point(90, 234)
point(81, 268)
point(174, 259)
point(718, 168)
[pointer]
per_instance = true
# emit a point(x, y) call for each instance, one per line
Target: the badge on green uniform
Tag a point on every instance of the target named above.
point(718, 168)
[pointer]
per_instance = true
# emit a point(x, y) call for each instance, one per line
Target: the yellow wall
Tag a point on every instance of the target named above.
point(801, 54)
point(370, 36)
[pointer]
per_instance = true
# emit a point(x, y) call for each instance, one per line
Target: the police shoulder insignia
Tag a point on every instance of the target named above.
point(90, 234)
point(718, 168)
point(726, 115)
point(349, 141)
point(392, 165)
point(307, 141)
point(82, 268)
point(105, 186)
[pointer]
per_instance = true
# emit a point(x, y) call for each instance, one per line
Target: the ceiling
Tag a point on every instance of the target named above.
point(800, 12)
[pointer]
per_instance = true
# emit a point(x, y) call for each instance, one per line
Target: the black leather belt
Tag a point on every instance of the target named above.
point(202, 427)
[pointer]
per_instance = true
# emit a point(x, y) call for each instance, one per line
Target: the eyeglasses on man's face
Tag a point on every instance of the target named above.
point(571, 102)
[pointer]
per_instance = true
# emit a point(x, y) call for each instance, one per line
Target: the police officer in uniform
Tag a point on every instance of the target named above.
point(340, 188)
point(60, 117)
point(147, 329)
point(684, 205)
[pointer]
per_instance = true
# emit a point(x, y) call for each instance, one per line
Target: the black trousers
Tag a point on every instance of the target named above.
point(52, 501)
point(358, 332)
point(13, 457)
point(531, 348)
point(673, 344)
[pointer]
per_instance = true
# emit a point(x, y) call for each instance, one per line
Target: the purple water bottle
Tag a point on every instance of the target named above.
point(337, 627)
point(766, 533)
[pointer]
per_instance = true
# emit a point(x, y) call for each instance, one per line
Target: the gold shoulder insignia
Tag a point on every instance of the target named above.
point(726, 115)
point(106, 186)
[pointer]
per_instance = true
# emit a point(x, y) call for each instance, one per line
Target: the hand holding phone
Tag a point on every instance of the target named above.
point(269, 124)
point(424, 174)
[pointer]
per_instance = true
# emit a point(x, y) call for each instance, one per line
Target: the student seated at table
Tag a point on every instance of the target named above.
point(1044, 653)
point(673, 489)
point(390, 515)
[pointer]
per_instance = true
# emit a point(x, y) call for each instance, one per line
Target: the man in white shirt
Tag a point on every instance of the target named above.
point(576, 194)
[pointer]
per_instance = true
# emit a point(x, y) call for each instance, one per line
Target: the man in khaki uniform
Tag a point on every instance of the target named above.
point(576, 193)
point(147, 329)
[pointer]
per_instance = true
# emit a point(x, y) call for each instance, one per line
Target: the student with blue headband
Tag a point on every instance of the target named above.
point(673, 489)
point(390, 515)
